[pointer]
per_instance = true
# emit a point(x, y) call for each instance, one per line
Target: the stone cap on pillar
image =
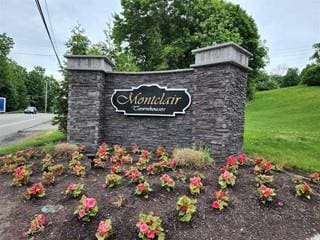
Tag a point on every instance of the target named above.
point(89, 62)
point(222, 53)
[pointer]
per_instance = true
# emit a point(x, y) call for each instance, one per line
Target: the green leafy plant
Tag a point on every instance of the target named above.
point(113, 180)
point(195, 185)
point(221, 200)
point(104, 229)
point(304, 190)
point(167, 182)
point(87, 208)
point(263, 179)
point(227, 179)
point(143, 189)
point(35, 191)
point(266, 194)
point(150, 227)
point(75, 190)
point(21, 176)
point(37, 224)
point(186, 207)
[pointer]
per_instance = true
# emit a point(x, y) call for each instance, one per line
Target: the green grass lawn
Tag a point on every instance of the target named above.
point(45, 140)
point(283, 125)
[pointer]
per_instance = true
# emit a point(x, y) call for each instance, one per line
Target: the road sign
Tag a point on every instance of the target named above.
point(2, 104)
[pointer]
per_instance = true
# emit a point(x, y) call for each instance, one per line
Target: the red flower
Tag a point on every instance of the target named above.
point(151, 234)
point(267, 166)
point(306, 187)
point(259, 161)
point(215, 204)
point(140, 187)
point(195, 180)
point(267, 192)
point(231, 160)
point(242, 158)
point(184, 208)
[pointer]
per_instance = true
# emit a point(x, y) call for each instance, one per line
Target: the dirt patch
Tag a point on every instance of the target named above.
point(245, 218)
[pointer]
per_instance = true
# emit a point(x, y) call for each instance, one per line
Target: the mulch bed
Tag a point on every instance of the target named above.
point(245, 218)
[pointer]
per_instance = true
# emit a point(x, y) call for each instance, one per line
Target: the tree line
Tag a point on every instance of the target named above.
point(309, 75)
point(23, 88)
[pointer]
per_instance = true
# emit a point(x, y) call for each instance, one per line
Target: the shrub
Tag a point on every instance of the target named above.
point(35, 191)
point(113, 180)
point(150, 227)
point(192, 157)
point(227, 179)
point(21, 176)
point(266, 194)
point(195, 185)
point(37, 224)
point(143, 189)
point(104, 229)
point(65, 149)
point(167, 182)
point(87, 208)
point(75, 190)
point(221, 200)
point(303, 190)
point(186, 207)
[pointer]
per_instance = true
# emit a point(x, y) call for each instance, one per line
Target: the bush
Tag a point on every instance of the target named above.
point(311, 75)
point(193, 157)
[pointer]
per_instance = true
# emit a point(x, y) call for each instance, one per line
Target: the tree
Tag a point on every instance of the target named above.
point(316, 55)
point(266, 82)
point(310, 75)
point(78, 43)
point(291, 78)
point(160, 34)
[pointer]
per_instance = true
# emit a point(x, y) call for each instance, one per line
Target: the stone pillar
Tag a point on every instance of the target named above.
point(223, 70)
point(85, 100)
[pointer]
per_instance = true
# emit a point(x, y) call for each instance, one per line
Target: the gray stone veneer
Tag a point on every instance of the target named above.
point(215, 117)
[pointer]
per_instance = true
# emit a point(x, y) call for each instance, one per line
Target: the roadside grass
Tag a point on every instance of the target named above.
point(44, 140)
point(283, 126)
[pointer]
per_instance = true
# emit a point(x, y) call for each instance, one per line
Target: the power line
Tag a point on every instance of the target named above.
point(46, 26)
point(50, 23)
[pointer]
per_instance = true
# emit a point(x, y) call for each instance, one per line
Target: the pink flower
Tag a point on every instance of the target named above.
point(227, 175)
point(82, 213)
point(242, 158)
point(102, 229)
point(173, 163)
point(165, 177)
point(143, 227)
point(72, 187)
point(41, 219)
point(151, 234)
point(140, 187)
point(215, 204)
point(195, 180)
point(90, 202)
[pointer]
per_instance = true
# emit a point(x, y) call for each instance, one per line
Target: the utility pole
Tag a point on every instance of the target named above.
point(46, 96)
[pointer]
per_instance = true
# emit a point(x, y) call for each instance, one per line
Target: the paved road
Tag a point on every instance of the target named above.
point(13, 124)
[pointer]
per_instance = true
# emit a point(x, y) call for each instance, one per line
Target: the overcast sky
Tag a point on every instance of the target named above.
point(290, 27)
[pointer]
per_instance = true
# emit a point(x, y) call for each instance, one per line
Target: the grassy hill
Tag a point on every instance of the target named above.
point(283, 125)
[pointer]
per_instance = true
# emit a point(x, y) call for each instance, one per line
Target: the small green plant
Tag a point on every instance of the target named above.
point(150, 227)
point(266, 194)
point(104, 230)
point(303, 190)
point(227, 179)
point(87, 208)
point(167, 182)
point(186, 207)
point(221, 200)
point(37, 224)
point(113, 180)
point(35, 191)
point(143, 189)
point(263, 179)
point(21, 176)
point(195, 185)
point(75, 190)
